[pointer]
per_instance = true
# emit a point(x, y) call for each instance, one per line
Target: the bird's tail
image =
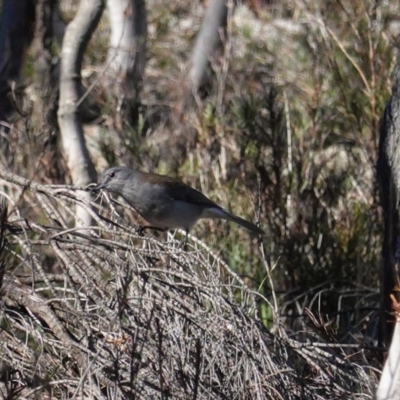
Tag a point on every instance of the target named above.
point(215, 212)
point(246, 224)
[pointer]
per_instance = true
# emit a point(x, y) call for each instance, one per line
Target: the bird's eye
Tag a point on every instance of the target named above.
point(112, 174)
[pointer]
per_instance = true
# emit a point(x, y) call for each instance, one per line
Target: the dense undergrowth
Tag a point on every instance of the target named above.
point(285, 134)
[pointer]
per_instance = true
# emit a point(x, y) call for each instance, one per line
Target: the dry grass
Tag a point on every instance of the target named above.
point(287, 136)
point(108, 313)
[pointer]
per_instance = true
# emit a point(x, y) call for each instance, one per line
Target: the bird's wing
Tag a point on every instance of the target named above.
point(180, 191)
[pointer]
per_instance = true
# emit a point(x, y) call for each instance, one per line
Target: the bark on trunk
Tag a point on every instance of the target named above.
point(46, 75)
point(16, 33)
point(208, 39)
point(76, 38)
point(389, 178)
point(126, 57)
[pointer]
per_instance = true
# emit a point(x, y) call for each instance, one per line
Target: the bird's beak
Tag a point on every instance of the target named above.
point(97, 187)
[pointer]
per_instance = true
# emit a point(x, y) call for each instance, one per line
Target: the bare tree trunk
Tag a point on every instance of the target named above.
point(389, 177)
point(47, 88)
point(389, 384)
point(45, 81)
point(126, 57)
point(76, 38)
point(208, 39)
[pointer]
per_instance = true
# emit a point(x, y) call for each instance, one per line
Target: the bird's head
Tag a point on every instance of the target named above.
point(114, 179)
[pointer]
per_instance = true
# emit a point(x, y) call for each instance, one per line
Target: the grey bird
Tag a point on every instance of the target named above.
point(164, 202)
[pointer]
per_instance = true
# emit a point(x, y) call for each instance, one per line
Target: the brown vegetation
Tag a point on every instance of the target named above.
point(285, 132)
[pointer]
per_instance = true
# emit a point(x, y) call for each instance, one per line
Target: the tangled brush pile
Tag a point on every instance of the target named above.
point(106, 313)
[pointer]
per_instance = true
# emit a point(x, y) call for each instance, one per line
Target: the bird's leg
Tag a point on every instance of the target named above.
point(184, 242)
point(140, 230)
